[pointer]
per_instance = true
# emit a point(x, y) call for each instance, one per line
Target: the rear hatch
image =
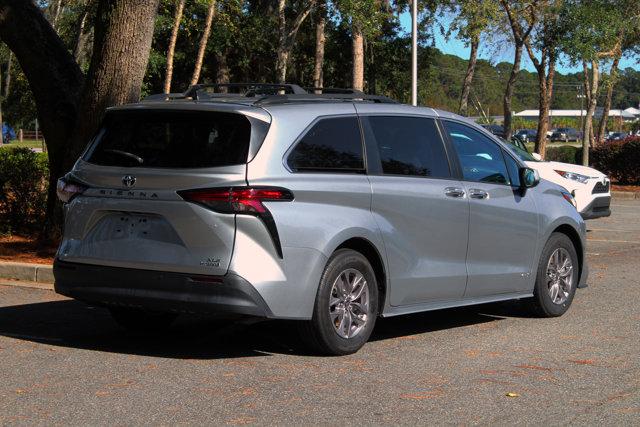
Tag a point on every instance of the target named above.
point(129, 212)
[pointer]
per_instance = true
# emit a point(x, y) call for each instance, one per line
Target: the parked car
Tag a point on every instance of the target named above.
point(616, 136)
point(526, 135)
point(566, 135)
point(590, 187)
point(497, 130)
point(330, 210)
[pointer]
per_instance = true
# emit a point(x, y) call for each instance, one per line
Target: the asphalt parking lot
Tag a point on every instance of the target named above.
point(64, 363)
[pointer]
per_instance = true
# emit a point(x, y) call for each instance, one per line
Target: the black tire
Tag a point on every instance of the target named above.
point(542, 304)
point(320, 332)
point(141, 321)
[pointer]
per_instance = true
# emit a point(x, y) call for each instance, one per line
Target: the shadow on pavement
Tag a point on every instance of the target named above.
point(73, 324)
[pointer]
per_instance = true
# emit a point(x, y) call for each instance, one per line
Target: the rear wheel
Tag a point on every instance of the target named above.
point(141, 321)
point(346, 305)
point(557, 277)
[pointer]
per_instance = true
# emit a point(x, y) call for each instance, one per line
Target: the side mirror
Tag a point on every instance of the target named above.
point(529, 178)
point(536, 156)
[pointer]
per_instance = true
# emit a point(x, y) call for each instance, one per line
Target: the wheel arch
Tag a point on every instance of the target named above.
point(369, 250)
point(574, 236)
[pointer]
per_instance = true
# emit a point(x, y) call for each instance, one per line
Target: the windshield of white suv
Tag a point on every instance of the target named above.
point(523, 155)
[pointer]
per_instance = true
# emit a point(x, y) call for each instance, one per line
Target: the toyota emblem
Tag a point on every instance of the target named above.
point(128, 181)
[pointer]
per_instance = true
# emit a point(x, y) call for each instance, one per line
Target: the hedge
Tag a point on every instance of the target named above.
point(23, 189)
point(620, 160)
point(564, 154)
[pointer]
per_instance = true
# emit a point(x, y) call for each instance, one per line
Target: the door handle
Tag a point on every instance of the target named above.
point(476, 193)
point(454, 192)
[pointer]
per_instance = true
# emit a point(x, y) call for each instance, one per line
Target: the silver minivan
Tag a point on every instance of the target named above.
point(331, 209)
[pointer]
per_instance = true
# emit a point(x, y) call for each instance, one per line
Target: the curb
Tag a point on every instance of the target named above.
point(625, 195)
point(26, 272)
point(25, 284)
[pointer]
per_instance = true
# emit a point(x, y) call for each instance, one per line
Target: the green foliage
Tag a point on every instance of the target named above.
point(23, 183)
point(564, 154)
point(619, 160)
point(591, 27)
point(472, 18)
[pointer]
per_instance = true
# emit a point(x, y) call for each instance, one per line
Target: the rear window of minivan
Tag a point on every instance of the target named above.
point(171, 139)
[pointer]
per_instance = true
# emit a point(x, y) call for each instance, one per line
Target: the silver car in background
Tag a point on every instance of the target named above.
point(329, 209)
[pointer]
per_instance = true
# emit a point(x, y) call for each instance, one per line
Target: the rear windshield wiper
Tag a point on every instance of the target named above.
point(135, 157)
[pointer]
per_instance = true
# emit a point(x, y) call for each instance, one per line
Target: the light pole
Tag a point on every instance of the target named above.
point(414, 52)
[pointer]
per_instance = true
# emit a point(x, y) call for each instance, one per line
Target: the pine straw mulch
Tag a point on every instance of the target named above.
point(26, 249)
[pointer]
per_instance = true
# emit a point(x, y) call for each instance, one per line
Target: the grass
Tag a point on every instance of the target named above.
point(29, 143)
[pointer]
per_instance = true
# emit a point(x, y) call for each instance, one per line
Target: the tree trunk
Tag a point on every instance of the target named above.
point(508, 93)
point(1, 127)
point(468, 78)
point(544, 104)
point(78, 46)
point(7, 77)
point(287, 36)
point(282, 53)
point(57, 8)
point(613, 75)
point(592, 97)
point(222, 73)
point(318, 80)
point(358, 58)
point(203, 42)
point(172, 45)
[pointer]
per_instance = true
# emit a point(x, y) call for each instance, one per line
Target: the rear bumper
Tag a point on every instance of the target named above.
point(156, 290)
point(598, 208)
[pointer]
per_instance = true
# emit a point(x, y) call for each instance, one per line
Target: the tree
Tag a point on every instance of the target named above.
point(522, 18)
point(631, 40)
point(593, 31)
point(472, 19)
point(364, 18)
point(545, 42)
point(70, 105)
point(203, 42)
point(321, 22)
point(287, 36)
point(172, 45)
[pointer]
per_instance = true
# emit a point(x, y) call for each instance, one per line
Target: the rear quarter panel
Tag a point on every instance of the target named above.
point(328, 209)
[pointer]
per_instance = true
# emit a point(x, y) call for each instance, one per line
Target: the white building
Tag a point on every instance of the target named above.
point(634, 111)
point(622, 115)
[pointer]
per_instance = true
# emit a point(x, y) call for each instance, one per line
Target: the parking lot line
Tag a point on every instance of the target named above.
point(613, 230)
point(613, 241)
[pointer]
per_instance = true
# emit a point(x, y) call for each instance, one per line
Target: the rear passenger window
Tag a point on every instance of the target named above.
point(410, 146)
point(332, 144)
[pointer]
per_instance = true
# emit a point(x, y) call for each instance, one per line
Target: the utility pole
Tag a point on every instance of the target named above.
point(414, 52)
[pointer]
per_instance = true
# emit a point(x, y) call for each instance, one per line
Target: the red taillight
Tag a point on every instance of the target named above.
point(67, 190)
point(241, 200)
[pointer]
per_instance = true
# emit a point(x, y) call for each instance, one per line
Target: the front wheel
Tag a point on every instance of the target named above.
point(557, 277)
point(346, 305)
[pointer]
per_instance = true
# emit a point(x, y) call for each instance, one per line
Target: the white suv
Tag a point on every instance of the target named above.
point(590, 187)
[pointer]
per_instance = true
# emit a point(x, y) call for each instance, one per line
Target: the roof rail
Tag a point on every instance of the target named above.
point(333, 90)
point(200, 91)
point(268, 94)
point(327, 97)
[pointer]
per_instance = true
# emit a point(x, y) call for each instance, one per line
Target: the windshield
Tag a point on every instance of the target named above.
point(523, 155)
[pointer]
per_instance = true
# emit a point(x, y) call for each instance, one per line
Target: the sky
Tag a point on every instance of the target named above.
point(495, 55)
